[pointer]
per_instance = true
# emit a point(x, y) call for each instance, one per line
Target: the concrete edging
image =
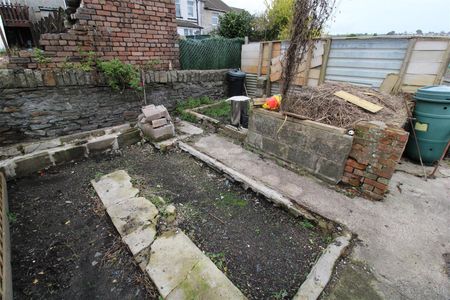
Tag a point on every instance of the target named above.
point(66, 149)
point(322, 271)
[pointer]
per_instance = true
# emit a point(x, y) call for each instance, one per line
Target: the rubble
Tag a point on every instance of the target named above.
point(156, 123)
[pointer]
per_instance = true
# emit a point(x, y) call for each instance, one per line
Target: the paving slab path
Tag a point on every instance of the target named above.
point(402, 239)
point(179, 269)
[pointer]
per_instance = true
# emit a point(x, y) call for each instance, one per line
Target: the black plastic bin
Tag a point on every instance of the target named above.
point(236, 81)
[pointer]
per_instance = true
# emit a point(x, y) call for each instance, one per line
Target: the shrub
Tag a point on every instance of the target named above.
point(119, 75)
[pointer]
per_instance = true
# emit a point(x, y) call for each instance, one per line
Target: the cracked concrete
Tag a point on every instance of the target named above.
point(402, 238)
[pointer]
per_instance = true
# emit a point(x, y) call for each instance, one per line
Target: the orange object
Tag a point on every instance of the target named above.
point(273, 103)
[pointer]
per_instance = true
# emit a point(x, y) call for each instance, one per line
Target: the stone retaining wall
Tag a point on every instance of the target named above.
point(43, 104)
point(376, 150)
point(321, 149)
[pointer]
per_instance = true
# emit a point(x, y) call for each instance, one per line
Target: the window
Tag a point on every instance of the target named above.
point(178, 8)
point(215, 19)
point(190, 8)
point(188, 32)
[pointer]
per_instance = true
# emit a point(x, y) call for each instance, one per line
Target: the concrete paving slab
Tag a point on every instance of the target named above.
point(189, 129)
point(181, 271)
point(140, 239)
point(132, 213)
point(402, 238)
point(114, 187)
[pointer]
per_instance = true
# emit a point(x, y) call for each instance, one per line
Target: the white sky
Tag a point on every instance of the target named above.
point(378, 16)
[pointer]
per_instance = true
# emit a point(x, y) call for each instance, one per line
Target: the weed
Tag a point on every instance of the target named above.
point(12, 217)
point(40, 57)
point(120, 75)
point(328, 239)
point(258, 231)
point(222, 110)
point(307, 224)
point(151, 64)
point(219, 260)
point(230, 200)
point(188, 117)
point(192, 103)
point(98, 175)
point(280, 295)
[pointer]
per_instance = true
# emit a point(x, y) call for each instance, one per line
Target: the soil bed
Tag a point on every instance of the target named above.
point(266, 252)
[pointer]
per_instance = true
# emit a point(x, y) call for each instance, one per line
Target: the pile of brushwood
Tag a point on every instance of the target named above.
point(321, 105)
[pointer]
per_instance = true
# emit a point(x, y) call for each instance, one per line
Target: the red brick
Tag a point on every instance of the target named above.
point(349, 169)
point(353, 163)
point(376, 184)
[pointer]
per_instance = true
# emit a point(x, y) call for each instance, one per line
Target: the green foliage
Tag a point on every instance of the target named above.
point(40, 57)
point(222, 110)
point(119, 75)
point(307, 224)
point(88, 61)
point(235, 24)
point(192, 103)
point(151, 64)
point(189, 104)
point(219, 260)
point(229, 199)
point(276, 22)
point(280, 295)
point(12, 217)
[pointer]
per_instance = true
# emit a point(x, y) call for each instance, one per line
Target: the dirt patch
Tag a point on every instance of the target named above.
point(63, 244)
point(266, 252)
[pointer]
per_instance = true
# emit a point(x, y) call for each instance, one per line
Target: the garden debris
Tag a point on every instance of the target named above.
point(322, 105)
point(156, 123)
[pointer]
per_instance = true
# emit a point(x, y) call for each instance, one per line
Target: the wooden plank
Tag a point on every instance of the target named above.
point(431, 45)
point(373, 108)
point(275, 76)
point(323, 69)
point(444, 67)
point(420, 80)
point(260, 58)
point(389, 83)
point(402, 73)
point(250, 69)
point(410, 89)
point(313, 82)
point(269, 61)
point(423, 68)
point(316, 62)
point(428, 56)
point(314, 73)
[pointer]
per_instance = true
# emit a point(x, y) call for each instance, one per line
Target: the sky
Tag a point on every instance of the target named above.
point(378, 16)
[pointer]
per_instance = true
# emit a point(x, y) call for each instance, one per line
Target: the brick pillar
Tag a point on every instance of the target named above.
point(376, 150)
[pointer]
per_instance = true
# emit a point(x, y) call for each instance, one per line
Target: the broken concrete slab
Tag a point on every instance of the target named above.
point(188, 129)
point(140, 239)
point(102, 143)
point(114, 188)
point(132, 213)
point(322, 271)
point(181, 271)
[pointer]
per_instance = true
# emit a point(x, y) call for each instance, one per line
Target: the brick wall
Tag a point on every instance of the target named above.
point(132, 31)
point(376, 150)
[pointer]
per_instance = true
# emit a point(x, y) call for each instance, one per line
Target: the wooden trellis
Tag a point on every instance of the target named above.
point(54, 23)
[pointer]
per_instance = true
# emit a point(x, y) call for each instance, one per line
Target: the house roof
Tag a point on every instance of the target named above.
point(217, 5)
point(237, 9)
point(188, 24)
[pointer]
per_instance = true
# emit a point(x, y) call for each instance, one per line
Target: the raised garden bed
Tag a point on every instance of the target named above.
point(60, 228)
point(212, 114)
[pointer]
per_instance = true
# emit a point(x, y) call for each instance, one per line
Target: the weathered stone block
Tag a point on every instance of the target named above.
point(28, 165)
point(69, 154)
point(275, 148)
point(101, 144)
point(129, 137)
